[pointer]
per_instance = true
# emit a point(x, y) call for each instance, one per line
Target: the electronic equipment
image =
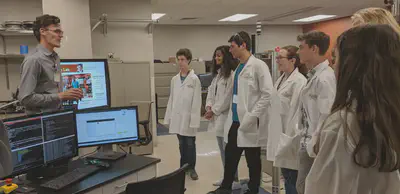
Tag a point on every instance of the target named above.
point(90, 75)
point(107, 156)
point(205, 79)
point(41, 140)
point(9, 187)
point(97, 127)
point(71, 177)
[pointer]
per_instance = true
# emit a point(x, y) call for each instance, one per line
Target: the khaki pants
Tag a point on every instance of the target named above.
point(305, 165)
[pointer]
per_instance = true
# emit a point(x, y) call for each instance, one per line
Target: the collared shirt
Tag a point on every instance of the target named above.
point(39, 87)
point(235, 116)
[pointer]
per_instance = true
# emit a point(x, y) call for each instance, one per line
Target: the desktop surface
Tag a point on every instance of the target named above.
point(126, 166)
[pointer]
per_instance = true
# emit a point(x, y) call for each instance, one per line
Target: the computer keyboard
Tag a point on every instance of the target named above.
point(71, 177)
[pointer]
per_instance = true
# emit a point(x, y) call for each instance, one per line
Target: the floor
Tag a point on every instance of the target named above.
point(209, 166)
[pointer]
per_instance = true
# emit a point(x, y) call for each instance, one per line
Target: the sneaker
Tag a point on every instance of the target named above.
point(236, 186)
point(220, 191)
point(193, 175)
point(218, 183)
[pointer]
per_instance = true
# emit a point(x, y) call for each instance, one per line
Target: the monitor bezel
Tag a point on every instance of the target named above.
point(103, 110)
point(107, 76)
point(13, 174)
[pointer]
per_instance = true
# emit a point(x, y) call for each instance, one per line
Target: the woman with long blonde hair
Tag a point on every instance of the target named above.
point(375, 15)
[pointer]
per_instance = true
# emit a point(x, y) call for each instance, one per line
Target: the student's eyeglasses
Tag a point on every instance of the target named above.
point(57, 31)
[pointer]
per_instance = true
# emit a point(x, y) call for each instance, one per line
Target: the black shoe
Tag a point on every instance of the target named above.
point(249, 192)
point(193, 175)
point(220, 191)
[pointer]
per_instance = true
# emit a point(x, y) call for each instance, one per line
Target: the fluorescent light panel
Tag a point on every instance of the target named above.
point(315, 18)
point(237, 17)
point(157, 16)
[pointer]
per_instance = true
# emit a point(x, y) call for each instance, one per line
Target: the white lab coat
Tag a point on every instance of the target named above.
point(334, 170)
point(184, 105)
point(258, 108)
point(289, 143)
point(218, 98)
point(317, 98)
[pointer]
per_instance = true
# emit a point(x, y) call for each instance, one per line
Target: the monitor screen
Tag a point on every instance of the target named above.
point(40, 140)
point(90, 75)
point(107, 126)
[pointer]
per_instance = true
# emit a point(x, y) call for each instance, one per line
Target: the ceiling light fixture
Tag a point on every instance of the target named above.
point(157, 16)
point(314, 18)
point(237, 17)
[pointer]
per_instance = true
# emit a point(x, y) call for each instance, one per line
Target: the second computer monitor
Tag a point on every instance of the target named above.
point(107, 126)
point(41, 140)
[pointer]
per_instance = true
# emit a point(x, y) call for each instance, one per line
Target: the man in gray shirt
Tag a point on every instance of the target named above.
point(40, 89)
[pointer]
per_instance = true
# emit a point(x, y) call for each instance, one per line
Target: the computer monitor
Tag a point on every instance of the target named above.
point(92, 76)
point(41, 140)
point(107, 126)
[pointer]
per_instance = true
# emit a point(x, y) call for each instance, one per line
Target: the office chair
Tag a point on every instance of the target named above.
point(173, 183)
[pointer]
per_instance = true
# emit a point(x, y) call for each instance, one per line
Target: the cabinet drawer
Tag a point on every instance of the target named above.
point(147, 173)
point(96, 191)
point(119, 185)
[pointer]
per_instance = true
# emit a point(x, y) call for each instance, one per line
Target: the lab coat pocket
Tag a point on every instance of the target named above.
point(287, 150)
point(249, 124)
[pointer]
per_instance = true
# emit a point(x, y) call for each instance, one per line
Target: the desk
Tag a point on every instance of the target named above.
point(110, 181)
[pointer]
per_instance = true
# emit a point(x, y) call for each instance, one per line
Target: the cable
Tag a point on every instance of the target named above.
point(122, 149)
point(97, 149)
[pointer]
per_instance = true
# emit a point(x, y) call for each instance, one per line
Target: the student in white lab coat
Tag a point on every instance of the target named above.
point(289, 86)
point(358, 149)
point(183, 110)
point(219, 98)
point(316, 97)
point(253, 103)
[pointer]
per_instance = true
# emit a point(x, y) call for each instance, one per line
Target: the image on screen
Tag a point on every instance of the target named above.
point(91, 77)
point(106, 127)
point(40, 140)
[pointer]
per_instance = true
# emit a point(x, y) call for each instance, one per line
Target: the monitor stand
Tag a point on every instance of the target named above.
point(106, 153)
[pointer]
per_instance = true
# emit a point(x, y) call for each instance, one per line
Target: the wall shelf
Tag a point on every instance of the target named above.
point(12, 56)
point(17, 33)
point(5, 56)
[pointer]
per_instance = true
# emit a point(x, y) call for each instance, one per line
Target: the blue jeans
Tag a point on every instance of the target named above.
point(290, 180)
point(221, 145)
point(187, 147)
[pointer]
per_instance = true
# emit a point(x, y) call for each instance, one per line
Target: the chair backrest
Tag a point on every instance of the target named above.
point(173, 183)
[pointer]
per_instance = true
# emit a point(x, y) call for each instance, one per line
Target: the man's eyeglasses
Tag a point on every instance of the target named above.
point(57, 31)
point(280, 57)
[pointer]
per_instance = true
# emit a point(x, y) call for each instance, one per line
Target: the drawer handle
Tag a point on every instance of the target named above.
point(121, 186)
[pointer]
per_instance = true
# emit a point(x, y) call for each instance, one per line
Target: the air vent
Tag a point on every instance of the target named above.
point(291, 13)
point(186, 19)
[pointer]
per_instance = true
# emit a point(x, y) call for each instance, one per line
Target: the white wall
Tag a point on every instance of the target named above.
point(20, 10)
point(75, 21)
point(129, 41)
point(203, 40)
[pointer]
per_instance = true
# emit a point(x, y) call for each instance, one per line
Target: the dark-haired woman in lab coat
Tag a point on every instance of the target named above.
point(218, 100)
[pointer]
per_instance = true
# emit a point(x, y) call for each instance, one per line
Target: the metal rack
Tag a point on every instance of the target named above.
point(4, 56)
point(104, 20)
